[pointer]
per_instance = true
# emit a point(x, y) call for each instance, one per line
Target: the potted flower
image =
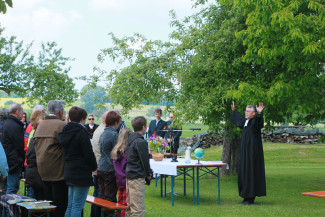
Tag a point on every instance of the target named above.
point(158, 146)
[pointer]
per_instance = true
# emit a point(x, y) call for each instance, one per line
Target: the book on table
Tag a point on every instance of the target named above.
point(41, 203)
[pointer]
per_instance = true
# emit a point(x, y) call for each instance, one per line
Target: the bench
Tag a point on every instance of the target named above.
point(105, 205)
point(37, 211)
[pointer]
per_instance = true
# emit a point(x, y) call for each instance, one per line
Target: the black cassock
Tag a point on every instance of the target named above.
point(251, 171)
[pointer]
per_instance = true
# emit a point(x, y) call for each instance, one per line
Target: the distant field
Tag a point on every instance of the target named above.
point(133, 113)
point(15, 100)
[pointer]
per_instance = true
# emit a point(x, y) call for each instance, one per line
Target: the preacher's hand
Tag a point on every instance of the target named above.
point(233, 106)
point(260, 108)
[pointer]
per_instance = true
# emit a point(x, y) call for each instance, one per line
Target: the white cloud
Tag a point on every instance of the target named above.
point(26, 4)
point(75, 15)
point(33, 20)
point(47, 22)
point(107, 4)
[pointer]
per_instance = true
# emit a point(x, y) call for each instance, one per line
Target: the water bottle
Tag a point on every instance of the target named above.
point(188, 155)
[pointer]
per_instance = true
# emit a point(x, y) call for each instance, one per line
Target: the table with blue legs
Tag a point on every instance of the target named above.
point(180, 168)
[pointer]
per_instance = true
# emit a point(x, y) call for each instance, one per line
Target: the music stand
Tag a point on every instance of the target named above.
point(172, 146)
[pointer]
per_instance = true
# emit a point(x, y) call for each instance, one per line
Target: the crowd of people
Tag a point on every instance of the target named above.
point(60, 156)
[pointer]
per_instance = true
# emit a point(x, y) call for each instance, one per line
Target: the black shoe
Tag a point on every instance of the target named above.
point(247, 203)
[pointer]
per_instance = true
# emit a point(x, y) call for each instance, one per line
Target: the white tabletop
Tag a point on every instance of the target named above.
point(167, 167)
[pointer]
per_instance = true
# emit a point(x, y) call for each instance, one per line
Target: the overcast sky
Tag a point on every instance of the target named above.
point(81, 27)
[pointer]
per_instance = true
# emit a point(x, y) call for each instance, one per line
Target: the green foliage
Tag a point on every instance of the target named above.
point(4, 4)
point(147, 75)
point(92, 96)
point(9, 102)
point(39, 79)
point(285, 42)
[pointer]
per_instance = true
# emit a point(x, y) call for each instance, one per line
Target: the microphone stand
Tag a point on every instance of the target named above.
point(172, 148)
point(172, 145)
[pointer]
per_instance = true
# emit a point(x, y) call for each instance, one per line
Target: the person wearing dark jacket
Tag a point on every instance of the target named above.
point(91, 126)
point(79, 161)
point(106, 172)
point(173, 134)
point(157, 127)
point(12, 139)
point(251, 171)
point(137, 168)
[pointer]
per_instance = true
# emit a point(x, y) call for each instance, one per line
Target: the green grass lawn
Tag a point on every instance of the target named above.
point(290, 170)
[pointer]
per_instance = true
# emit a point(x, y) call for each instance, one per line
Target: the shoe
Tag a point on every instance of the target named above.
point(247, 203)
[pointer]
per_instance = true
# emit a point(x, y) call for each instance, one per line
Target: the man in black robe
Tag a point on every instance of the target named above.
point(251, 171)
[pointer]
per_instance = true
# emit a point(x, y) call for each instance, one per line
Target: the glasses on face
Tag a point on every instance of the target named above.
point(171, 117)
point(248, 111)
point(91, 119)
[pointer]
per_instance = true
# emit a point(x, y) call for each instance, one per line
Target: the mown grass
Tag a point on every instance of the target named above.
point(290, 170)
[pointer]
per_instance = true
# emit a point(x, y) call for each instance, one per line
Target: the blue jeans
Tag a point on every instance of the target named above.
point(77, 199)
point(13, 182)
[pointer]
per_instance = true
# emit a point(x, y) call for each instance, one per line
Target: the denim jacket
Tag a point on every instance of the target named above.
point(3, 163)
point(107, 141)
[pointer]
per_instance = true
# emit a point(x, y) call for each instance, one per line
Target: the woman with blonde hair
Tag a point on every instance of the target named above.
point(118, 155)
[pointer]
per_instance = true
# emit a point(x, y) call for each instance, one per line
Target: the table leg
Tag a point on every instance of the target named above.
point(156, 179)
point(218, 186)
point(165, 186)
point(161, 185)
point(184, 181)
point(198, 185)
point(193, 186)
point(172, 179)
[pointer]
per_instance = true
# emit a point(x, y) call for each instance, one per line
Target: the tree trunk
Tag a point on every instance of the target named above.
point(230, 151)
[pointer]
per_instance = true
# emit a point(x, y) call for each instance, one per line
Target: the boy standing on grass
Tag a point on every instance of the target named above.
point(138, 168)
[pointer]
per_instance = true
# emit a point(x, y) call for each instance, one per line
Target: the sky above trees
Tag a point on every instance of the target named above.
point(81, 27)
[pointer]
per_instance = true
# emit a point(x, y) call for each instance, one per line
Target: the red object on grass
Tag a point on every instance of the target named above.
point(315, 194)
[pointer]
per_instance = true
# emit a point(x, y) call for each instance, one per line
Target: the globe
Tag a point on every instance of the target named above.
point(199, 153)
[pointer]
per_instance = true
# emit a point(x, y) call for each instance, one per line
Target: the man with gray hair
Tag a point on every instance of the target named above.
point(12, 139)
point(50, 157)
point(251, 171)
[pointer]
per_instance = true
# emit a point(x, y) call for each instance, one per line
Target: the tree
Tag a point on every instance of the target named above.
point(4, 4)
point(285, 41)
point(39, 79)
point(215, 57)
point(92, 96)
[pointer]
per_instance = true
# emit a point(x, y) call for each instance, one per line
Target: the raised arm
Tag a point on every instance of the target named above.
point(259, 115)
point(260, 108)
point(236, 117)
point(233, 106)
